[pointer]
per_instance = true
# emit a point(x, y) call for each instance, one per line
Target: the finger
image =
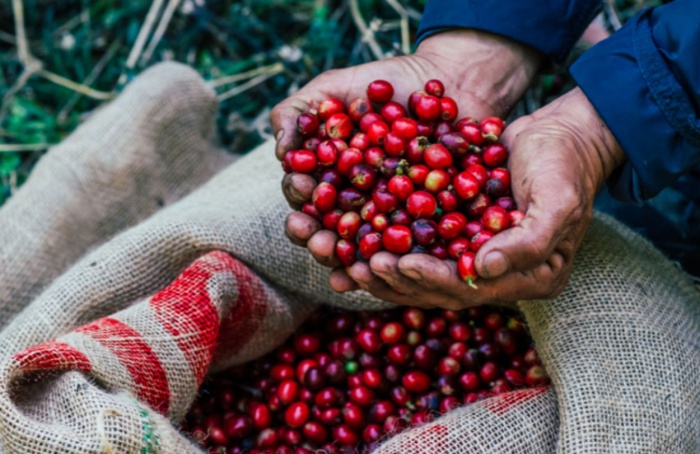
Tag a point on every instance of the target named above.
point(431, 273)
point(386, 266)
point(340, 282)
point(322, 246)
point(531, 242)
point(299, 227)
point(298, 188)
point(361, 273)
point(284, 124)
point(543, 281)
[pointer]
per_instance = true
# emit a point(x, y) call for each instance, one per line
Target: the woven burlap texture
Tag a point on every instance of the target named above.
point(145, 150)
point(621, 343)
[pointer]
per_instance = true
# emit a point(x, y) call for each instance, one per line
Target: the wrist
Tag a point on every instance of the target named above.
point(603, 152)
point(492, 68)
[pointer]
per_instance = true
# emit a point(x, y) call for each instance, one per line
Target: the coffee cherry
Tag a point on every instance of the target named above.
point(377, 131)
point(345, 436)
point(329, 107)
point(401, 186)
point(466, 268)
point(448, 109)
point(416, 381)
point(516, 217)
point(315, 432)
point(393, 111)
point(424, 231)
point(394, 144)
point(466, 185)
point(307, 124)
point(362, 176)
point(324, 197)
point(436, 181)
point(479, 239)
point(297, 415)
point(492, 127)
point(436, 156)
point(421, 204)
point(346, 252)
point(397, 239)
point(495, 219)
point(455, 143)
point(427, 108)
point(407, 128)
point(339, 126)
point(358, 108)
point(368, 119)
point(435, 87)
point(348, 159)
point(370, 244)
point(495, 155)
point(380, 91)
point(303, 161)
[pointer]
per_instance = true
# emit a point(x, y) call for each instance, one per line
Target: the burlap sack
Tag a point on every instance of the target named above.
point(620, 344)
point(119, 383)
point(145, 150)
point(622, 347)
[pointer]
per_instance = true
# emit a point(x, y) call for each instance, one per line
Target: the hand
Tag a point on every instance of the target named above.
point(484, 73)
point(560, 157)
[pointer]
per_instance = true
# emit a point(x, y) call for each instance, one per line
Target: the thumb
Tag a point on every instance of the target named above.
point(284, 123)
point(524, 246)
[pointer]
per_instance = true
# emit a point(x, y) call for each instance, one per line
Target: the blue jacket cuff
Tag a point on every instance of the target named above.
point(550, 26)
point(644, 105)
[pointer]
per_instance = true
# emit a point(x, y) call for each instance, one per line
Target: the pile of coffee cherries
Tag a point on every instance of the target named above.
point(348, 380)
point(413, 180)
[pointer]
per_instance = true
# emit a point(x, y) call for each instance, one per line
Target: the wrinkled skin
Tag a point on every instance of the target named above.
point(560, 157)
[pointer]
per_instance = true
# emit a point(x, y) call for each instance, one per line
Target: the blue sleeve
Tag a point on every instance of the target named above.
point(550, 26)
point(644, 81)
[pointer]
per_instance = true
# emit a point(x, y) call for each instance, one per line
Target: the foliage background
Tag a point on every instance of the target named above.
point(60, 59)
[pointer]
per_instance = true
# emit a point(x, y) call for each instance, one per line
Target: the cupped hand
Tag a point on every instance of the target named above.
point(484, 73)
point(560, 157)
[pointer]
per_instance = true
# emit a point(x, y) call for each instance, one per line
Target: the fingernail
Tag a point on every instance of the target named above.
point(279, 134)
point(413, 274)
point(495, 264)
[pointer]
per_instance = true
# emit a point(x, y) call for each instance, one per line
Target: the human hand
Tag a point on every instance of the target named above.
point(484, 73)
point(560, 157)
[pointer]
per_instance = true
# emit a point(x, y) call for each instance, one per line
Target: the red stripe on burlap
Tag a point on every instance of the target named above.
point(501, 403)
point(52, 356)
point(246, 315)
point(186, 311)
point(145, 369)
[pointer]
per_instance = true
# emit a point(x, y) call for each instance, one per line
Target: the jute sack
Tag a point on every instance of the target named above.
point(100, 305)
point(622, 347)
point(147, 149)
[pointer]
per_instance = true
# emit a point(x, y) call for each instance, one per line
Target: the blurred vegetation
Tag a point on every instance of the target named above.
point(72, 55)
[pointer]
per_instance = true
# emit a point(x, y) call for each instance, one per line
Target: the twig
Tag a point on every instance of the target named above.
point(612, 16)
point(23, 51)
point(8, 38)
point(90, 79)
point(80, 88)
point(145, 30)
point(160, 30)
point(413, 14)
point(13, 148)
point(276, 68)
point(405, 32)
point(24, 76)
point(74, 21)
point(246, 86)
point(366, 33)
point(30, 64)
